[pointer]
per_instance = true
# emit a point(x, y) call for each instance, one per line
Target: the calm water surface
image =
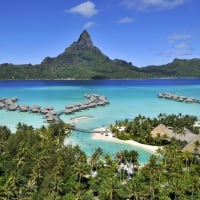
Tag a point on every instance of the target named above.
point(128, 98)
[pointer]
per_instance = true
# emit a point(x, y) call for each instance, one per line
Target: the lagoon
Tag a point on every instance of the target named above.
point(128, 98)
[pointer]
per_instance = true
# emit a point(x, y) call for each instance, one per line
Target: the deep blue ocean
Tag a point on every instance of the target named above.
point(128, 98)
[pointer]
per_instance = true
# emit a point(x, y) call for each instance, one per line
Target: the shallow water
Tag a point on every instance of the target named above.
point(128, 98)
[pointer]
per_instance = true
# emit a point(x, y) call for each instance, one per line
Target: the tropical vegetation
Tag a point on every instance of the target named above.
point(140, 127)
point(35, 164)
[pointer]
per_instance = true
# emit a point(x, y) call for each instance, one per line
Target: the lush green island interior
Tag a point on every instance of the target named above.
point(35, 163)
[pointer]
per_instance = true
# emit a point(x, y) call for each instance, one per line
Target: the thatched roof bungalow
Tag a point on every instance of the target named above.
point(24, 108)
point(162, 131)
point(13, 107)
point(191, 147)
point(2, 105)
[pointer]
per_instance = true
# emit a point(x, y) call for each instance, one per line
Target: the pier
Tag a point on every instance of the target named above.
point(50, 115)
point(179, 98)
point(74, 128)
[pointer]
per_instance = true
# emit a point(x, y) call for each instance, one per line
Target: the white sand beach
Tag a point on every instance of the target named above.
point(77, 119)
point(109, 137)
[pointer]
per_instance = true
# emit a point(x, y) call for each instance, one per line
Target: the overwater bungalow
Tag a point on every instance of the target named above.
point(49, 108)
point(69, 106)
point(92, 105)
point(12, 107)
point(51, 113)
point(44, 111)
point(35, 109)
point(2, 105)
point(83, 106)
point(23, 108)
point(50, 118)
point(36, 106)
point(68, 111)
point(8, 102)
point(160, 95)
point(190, 100)
point(14, 99)
point(179, 98)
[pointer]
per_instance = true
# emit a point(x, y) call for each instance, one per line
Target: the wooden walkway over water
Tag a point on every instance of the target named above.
point(74, 128)
point(179, 98)
point(50, 115)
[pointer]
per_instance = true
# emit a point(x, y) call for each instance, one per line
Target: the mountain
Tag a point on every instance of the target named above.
point(83, 60)
point(178, 68)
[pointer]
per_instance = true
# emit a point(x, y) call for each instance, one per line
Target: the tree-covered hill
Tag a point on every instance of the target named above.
point(178, 68)
point(83, 60)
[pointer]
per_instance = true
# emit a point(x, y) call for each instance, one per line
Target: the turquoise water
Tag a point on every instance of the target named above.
point(128, 98)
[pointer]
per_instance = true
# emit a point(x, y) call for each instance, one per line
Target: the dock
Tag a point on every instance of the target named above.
point(179, 98)
point(48, 112)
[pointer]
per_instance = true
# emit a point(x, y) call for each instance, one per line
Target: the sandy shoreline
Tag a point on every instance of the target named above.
point(99, 136)
point(77, 119)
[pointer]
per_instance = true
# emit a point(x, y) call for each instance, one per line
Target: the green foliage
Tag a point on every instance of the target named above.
point(140, 127)
point(178, 68)
point(34, 164)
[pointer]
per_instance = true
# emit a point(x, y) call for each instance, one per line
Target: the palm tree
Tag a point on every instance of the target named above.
point(160, 152)
point(20, 162)
point(11, 187)
point(197, 145)
point(36, 176)
point(80, 169)
point(56, 185)
point(186, 156)
point(4, 133)
point(196, 150)
point(110, 189)
point(110, 161)
point(95, 158)
point(32, 185)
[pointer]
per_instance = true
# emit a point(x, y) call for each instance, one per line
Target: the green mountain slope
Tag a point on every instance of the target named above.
point(83, 60)
point(178, 68)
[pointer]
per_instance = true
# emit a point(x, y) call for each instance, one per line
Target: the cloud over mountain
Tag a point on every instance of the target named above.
point(87, 9)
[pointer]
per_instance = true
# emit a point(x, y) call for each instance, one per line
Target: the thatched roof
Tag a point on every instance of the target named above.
point(161, 130)
point(191, 146)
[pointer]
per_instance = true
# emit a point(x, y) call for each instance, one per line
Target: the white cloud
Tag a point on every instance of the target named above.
point(89, 24)
point(176, 52)
point(86, 9)
point(126, 20)
point(179, 37)
point(143, 5)
point(181, 45)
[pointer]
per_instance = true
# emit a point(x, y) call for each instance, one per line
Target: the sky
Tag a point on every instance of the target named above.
point(144, 32)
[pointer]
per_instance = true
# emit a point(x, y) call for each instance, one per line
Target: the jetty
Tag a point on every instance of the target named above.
point(74, 128)
point(179, 98)
point(48, 112)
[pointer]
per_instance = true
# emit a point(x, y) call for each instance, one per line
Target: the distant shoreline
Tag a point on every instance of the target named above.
point(73, 79)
